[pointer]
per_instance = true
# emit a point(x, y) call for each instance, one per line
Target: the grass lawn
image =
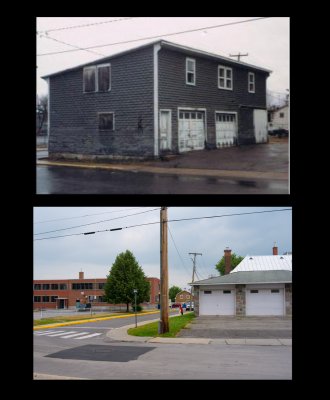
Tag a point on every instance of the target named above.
point(176, 324)
point(68, 318)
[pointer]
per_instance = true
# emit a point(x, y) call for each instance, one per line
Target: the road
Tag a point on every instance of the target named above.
point(68, 180)
point(84, 351)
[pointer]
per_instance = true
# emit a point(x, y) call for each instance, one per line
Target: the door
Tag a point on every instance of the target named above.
point(165, 126)
point(264, 302)
point(191, 130)
point(217, 302)
point(61, 305)
point(226, 129)
point(260, 125)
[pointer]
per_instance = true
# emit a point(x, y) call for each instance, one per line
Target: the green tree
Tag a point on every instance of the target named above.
point(235, 260)
point(124, 276)
point(173, 291)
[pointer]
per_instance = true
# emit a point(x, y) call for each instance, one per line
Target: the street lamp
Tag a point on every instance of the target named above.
point(135, 291)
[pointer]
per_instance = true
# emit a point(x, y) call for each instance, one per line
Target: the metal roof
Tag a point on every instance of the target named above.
point(164, 43)
point(248, 277)
point(264, 263)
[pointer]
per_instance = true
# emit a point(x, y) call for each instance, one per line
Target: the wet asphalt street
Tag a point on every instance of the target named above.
point(66, 180)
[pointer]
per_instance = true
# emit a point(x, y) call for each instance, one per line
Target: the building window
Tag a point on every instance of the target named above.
point(89, 79)
point(207, 291)
point(225, 78)
point(80, 286)
point(101, 299)
point(106, 121)
point(45, 286)
point(101, 285)
point(251, 82)
point(37, 286)
point(275, 291)
point(190, 71)
point(226, 291)
point(54, 286)
point(254, 291)
point(45, 299)
point(281, 115)
point(53, 299)
point(63, 286)
point(97, 78)
point(37, 299)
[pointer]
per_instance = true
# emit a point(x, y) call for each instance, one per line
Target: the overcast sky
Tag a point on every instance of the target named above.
point(63, 258)
point(266, 41)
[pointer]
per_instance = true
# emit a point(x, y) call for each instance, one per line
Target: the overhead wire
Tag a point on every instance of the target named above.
point(153, 37)
point(172, 220)
point(168, 225)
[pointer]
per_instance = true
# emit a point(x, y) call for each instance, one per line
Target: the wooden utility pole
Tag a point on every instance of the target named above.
point(193, 274)
point(239, 55)
point(163, 323)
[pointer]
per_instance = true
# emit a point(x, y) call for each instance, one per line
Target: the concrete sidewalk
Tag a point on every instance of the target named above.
point(121, 335)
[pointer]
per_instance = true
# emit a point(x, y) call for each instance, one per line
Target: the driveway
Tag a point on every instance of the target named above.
point(229, 327)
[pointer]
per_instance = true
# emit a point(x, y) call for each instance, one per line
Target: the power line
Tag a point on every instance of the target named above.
point(168, 225)
point(84, 25)
point(97, 222)
point(87, 215)
point(154, 37)
point(72, 45)
point(172, 220)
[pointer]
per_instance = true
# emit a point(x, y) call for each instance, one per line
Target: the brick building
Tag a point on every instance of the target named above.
point(66, 293)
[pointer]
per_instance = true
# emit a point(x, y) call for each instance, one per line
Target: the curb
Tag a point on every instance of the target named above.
point(173, 171)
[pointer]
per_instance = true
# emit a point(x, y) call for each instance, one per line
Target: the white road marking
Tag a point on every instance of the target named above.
point(60, 333)
point(88, 336)
point(74, 334)
point(44, 333)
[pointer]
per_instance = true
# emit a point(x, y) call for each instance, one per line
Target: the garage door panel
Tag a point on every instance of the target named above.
point(265, 302)
point(217, 302)
point(191, 131)
point(226, 129)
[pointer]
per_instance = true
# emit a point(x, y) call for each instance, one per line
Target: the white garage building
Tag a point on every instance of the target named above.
point(259, 285)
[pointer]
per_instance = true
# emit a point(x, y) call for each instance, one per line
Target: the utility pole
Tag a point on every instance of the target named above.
point(163, 323)
point(193, 274)
point(239, 55)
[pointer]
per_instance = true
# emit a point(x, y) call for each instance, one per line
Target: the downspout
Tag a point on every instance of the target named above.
point(48, 111)
point(156, 134)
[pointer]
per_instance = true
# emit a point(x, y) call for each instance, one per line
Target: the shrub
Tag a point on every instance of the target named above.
point(138, 308)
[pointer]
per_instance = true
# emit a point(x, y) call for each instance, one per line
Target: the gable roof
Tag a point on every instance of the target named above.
point(165, 44)
point(264, 263)
point(248, 277)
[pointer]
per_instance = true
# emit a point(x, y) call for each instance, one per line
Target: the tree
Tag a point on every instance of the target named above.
point(173, 291)
point(42, 112)
point(124, 276)
point(235, 260)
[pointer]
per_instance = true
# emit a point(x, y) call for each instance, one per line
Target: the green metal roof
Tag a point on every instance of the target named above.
point(247, 277)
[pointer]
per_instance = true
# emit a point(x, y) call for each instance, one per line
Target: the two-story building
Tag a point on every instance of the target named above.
point(68, 293)
point(155, 99)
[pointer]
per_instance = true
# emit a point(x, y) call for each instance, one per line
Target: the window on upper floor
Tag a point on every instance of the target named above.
point(281, 115)
point(54, 286)
point(251, 82)
point(37, 299)
point(63, 286)
point(190, 71)
point(45, 286)
point(101, 285)
point(106, 121)
point(97, 78)
point(225, 78)
point(37, 286)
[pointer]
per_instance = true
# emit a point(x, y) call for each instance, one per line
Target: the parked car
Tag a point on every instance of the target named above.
point(279, 132)
point(190, 307)
point(175, 305)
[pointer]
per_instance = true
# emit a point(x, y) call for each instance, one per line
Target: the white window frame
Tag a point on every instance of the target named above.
point(252, 74)
point(225, 77)
point(97, 76)
point(113, 119)
point(194, 62)
point(95, 68)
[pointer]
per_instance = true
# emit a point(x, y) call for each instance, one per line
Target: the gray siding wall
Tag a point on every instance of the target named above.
point(173, 93)
point(74, 114)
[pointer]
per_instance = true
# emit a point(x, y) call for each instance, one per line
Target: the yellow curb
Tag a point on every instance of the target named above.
point(175, 171)
point(55, 325)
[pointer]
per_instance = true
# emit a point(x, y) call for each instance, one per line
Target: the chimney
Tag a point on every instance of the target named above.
point(275, 250)
point(227, 260)
point(81, 275)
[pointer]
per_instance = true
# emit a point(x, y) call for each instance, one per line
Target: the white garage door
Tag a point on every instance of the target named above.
point(217, 302)
point(226, 129)
point(264, 302)
point(191, 130)
point(260, 125)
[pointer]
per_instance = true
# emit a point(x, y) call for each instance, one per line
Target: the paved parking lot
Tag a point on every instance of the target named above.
point(225, 327)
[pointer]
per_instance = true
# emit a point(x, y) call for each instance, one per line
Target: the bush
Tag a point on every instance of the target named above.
point(138, 308)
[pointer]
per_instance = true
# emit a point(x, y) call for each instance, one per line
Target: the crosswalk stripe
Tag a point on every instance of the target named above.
point(60, 333)
point(44, 333)
point(74, 334)
point(88, 336)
